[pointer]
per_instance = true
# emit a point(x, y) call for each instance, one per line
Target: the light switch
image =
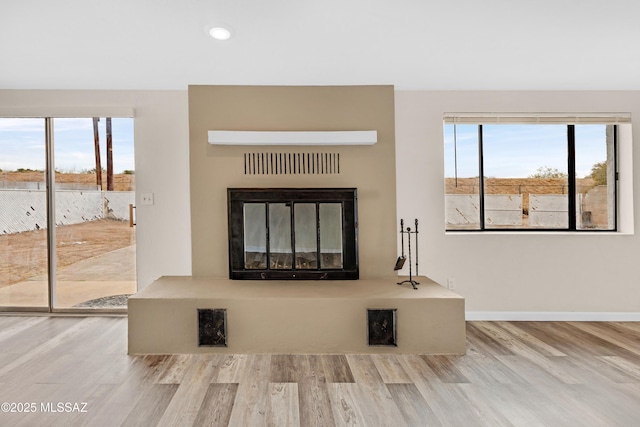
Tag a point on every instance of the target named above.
point(146, 199)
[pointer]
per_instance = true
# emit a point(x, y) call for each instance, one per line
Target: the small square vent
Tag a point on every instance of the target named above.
point(212, 327)
point(382, 327)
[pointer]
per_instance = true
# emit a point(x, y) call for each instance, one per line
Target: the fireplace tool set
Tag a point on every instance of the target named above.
point(401, 259)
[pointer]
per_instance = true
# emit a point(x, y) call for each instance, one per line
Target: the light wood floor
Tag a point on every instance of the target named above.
point(514, 373)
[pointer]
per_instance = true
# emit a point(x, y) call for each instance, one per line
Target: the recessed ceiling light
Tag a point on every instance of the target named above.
point(220, 33)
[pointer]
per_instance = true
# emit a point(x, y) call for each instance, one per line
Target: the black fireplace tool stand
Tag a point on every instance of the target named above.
point(402, 258)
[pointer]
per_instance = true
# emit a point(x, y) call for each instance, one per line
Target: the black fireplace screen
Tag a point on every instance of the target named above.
point(292, 233)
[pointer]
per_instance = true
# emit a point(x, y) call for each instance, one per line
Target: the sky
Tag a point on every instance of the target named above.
point(517, 151)
point(510, 151)
point(22, 144)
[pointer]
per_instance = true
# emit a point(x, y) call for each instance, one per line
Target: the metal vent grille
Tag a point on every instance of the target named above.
point(291, 163)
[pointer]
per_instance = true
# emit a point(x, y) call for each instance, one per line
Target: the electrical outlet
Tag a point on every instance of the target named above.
point(451, 283)
point(146, 199)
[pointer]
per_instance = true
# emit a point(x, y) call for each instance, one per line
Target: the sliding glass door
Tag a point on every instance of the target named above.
point(80, 252)
point(23, 214)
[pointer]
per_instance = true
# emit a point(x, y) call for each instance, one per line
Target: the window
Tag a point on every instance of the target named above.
point(530, 176)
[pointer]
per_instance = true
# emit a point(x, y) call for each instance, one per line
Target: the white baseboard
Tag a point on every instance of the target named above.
point(548, 316)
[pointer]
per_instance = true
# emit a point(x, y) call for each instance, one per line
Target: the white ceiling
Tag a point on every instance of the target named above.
point(412, 44)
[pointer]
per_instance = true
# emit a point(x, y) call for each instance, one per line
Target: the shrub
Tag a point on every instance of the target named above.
point(547, 172)
point(599, 173)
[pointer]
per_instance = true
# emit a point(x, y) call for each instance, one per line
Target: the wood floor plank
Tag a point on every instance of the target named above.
point(8, 321)
point(526, 352)
point(447, 401)
point(522, 405)
point(60, 369)
point(5, 359)
point(15, 326)
point(538, 371)
point(116, 339)
point(562, 338)
point(187, 400)
point(37, 334)
point(175, 368)
point(390, 369)
point(614, 334)
point(337, 369)
point(518, 341)
point(151, 405)
point(346, 408)
point(96, 330)
point(364, 370)
point(250, 407)
point(483, 408)
point(371, 393)
point(556, 405)
point(217, 405)
point(536, 344)
point(445, 368)
point(285, 368)
point(56, 367)
point(461, 403)
point(233, 369)
point(97, 393)
point(313, 394)
point(580, 354)
point(480, 342)
point(414, 409)
point(633, 326)
point(117, 406)
point(49, 345)
point(588, 406)
point(36, 393)
point(283, 408)
point(216, 362)
point(631, 390)
point(485, 369)
point(590, 370)
point(628, 367)
point(117, 369)
point(155, 364)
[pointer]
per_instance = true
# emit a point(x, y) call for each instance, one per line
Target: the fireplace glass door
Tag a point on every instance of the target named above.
point(292, 234)
point(306, 228)
point(280, 254)
point(255, 236)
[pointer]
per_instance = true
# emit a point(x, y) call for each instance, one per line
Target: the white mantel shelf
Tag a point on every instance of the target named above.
point(236, 137)
point(295, 316)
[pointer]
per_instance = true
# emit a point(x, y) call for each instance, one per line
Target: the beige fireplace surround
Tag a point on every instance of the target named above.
point(290, 316)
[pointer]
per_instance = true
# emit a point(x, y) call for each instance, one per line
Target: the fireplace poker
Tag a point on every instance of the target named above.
point(401, 259)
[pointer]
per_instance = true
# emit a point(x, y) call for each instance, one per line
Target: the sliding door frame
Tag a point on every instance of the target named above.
point(51, 223)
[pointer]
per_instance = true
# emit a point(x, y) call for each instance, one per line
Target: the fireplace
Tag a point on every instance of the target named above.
point(293, 233)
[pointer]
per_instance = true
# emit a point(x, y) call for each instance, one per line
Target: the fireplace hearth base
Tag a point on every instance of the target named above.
point(295, 317)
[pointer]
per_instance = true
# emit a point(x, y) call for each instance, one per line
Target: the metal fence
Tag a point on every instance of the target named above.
point(25, 210)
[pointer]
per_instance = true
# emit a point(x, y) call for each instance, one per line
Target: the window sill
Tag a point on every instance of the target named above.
point(538, 233)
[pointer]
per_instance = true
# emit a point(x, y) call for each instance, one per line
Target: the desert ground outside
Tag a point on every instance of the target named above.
point(94, 258)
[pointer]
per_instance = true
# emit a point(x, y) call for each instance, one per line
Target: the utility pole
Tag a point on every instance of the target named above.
point(109, 156)
point(96, 144)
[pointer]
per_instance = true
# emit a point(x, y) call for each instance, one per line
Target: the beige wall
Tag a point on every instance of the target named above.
point(370, 169)
point(519, 273)
point(510, 273)
point(161, 163)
